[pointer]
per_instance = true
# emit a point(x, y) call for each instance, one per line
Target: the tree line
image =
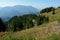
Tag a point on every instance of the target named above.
point(18, 23)
point(46, 10)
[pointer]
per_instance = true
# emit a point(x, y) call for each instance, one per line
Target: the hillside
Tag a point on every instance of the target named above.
point(53, 17)
point(43, 32)
point(46, 31)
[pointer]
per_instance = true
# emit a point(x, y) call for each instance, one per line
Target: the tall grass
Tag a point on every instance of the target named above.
point(30, 37)
point(54, 37)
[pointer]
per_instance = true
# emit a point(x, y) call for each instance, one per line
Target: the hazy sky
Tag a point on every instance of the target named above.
point(35, 3)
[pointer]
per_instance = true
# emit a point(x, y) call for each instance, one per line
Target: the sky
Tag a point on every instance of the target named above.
point(39, 4)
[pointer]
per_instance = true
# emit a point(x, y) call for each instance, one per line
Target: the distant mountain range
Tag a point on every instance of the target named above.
point(17, 10)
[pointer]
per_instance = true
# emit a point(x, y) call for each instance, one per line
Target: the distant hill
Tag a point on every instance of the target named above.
point(17, 10)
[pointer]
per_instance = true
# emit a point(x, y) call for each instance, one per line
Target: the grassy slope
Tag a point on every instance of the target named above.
point(53, 17)
point(47, 31)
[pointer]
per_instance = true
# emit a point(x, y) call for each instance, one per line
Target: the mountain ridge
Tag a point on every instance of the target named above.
point(17, 10)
